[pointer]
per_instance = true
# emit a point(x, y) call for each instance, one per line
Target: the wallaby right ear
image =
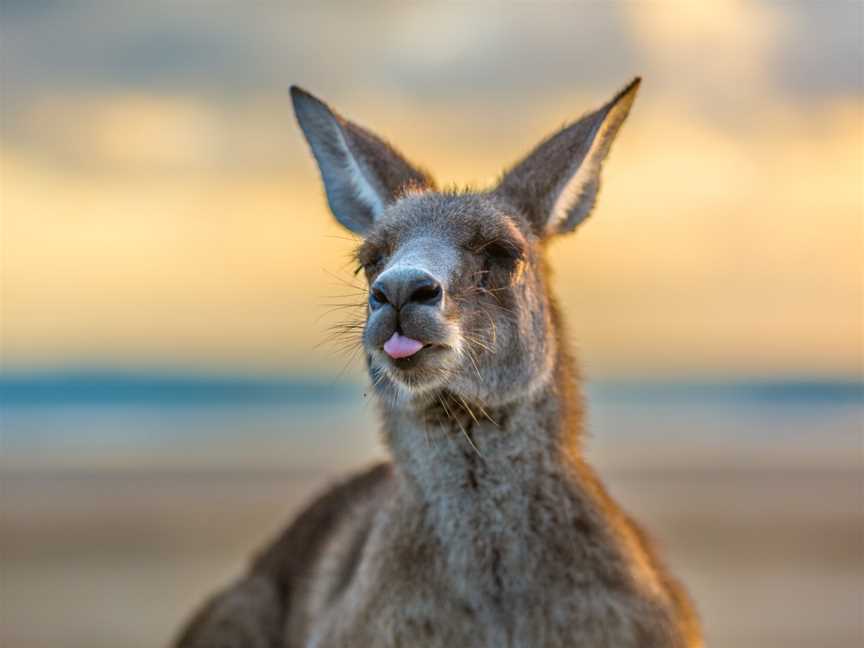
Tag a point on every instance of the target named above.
point(362, 174)
point(556, 185)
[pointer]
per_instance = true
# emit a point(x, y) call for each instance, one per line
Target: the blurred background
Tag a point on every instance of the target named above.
point(169, 394)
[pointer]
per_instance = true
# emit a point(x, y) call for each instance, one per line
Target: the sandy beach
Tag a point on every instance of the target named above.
point(772, 550)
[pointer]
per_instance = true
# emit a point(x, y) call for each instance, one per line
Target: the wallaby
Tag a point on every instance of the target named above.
point(488, 528)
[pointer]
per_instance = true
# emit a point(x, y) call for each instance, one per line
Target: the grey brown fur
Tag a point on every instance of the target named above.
point(488, 528)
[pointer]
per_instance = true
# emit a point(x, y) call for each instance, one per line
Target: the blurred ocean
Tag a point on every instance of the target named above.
point(99, 420)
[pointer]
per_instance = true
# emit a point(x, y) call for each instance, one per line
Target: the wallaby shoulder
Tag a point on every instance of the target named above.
point(256, 610)
point(291, 555)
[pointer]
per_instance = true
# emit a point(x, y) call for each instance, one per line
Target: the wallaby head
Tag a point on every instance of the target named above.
point(458, 295)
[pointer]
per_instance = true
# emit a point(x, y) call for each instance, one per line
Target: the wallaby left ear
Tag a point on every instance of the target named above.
point(362, 174)
point(556, 185)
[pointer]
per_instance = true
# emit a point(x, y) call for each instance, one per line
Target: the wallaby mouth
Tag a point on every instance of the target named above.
point(427, 359)
point(401, 346)
point(414, 342)
point(411, 363)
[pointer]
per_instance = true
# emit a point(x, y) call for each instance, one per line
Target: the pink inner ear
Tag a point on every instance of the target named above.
point(399, 346)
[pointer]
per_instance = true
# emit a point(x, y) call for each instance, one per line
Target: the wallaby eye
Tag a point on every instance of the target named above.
point(501, 256)
point(369, 258)
point(501, 259)
point(372, 265)
point(503, 253)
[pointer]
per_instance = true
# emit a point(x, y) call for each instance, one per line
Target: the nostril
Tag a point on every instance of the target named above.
point(427, 293)
point(377, 297)
point(399, 289)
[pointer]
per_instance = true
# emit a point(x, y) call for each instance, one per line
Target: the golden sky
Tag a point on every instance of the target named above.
point(153, 218)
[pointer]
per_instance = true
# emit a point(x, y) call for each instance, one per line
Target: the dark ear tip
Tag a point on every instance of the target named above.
point(299, 94)
point(632, 87)
point(626, 95)
point(306, 104)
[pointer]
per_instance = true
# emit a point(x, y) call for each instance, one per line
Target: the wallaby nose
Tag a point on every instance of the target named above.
point(407, 287)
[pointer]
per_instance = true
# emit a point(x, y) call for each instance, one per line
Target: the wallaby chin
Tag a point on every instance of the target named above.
point(488, 528)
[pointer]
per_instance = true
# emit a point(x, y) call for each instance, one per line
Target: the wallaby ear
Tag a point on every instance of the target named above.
point(362, 174)
point(556, 185)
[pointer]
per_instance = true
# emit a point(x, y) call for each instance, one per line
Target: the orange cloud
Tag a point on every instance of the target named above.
point(711, 250)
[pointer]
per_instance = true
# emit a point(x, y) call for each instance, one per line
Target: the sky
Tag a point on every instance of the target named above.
point(159, 208)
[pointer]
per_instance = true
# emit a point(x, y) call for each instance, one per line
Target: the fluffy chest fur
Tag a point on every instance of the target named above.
point(491, 538)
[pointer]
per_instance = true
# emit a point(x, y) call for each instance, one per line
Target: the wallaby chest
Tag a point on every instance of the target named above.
point(482, 588)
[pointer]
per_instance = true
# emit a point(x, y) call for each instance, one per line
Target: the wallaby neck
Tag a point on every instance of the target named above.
point(452, 447)
point(493, 484)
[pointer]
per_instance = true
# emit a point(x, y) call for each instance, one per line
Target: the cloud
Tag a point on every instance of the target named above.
point(704, 246)
point(123, 133)
point(723, 48)
point(154, 182)
point(823, 51)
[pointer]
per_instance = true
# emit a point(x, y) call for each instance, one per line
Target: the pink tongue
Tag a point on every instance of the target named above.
point(399, 346)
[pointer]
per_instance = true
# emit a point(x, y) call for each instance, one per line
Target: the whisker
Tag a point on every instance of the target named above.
point(473, 360)
point(337, 307)
point(467, 408)
point(477, 342)
point(343, 281)
point(486, 414)
point(494, 328)
point(355, 293)
point(348, 363)
point(352, 239)
point(461, 427)
point(469, 439)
